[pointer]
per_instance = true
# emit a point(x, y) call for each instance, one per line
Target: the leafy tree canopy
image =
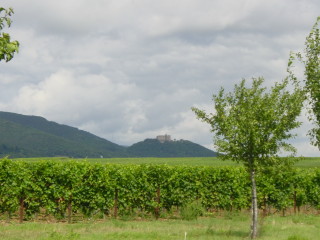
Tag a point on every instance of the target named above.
point(251, 124)
point(312, 81)
point(7, 47)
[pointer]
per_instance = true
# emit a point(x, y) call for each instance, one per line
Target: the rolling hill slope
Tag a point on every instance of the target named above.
point(32, 136)
point(181, 148)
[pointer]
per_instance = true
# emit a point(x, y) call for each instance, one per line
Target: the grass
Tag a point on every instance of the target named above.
point(305, 162)
point(308, 162)
point(192, 161)
point(228, 226)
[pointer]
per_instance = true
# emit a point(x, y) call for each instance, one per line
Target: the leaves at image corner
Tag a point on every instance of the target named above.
point(312, 82)
point(7, 47)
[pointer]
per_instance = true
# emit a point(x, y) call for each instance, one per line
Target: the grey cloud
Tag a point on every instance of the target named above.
point(128, 70)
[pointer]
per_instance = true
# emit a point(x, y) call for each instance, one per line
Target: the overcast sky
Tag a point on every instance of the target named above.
point(127, 70)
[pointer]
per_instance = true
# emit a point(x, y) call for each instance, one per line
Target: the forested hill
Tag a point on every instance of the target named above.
point(180, 148)
point(32, 136)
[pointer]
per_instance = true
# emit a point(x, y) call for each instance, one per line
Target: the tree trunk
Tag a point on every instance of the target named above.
point(157, 208)
point(265, 210)
point(69, 211)
point(115, 207)
point(21, 209)
point(295, 202)
point(254, 206)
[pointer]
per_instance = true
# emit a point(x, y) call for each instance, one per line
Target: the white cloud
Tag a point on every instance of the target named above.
point(71, 98)
point(131, 69)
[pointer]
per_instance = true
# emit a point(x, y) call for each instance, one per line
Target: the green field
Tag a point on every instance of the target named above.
point(194, 161)
point(306, 162)
point(224, 227)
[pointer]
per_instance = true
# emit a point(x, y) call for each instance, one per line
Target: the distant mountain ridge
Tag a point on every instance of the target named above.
point(33, 136)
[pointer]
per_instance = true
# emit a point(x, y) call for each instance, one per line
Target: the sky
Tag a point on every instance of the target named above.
point(127, 70)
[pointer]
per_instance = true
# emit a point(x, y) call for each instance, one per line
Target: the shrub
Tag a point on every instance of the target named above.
point(192, 210)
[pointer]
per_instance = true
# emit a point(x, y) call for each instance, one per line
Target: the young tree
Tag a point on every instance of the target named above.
point(7, 47)
point(252, 124)
point(312, 82)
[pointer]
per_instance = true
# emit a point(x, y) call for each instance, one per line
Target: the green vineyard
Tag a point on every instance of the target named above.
point(60, 189)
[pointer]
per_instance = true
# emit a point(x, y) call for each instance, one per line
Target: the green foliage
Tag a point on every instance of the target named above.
point(7, 47)
point(312, 82)
point(251, 125)
point(192, 211)
point(91, 188)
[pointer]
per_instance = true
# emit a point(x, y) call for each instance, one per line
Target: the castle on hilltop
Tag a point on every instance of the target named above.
point(164, 138)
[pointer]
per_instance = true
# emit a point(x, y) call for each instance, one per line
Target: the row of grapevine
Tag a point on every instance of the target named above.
point(61, 188)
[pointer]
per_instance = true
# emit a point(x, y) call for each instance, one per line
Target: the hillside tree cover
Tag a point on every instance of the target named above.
point(34, 136)
point(7, 47)
point(251, 124)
